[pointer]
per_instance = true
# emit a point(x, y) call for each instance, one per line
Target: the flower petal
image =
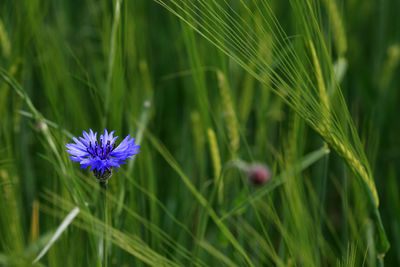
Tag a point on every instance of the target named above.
point(125, 149)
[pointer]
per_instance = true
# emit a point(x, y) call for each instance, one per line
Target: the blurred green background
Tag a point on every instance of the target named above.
point(199, 113)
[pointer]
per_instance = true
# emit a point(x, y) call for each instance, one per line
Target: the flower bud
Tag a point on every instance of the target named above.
point(258, 174)
point(40, 126)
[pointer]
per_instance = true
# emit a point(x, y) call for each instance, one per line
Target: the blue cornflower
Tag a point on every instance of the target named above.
point(103, 155)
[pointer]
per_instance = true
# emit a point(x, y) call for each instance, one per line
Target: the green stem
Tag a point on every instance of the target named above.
point(103, 240)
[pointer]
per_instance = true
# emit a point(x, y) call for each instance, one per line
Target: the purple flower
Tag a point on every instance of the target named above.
point(103, 155)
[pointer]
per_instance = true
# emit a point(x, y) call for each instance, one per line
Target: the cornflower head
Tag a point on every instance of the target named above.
point(101, 156)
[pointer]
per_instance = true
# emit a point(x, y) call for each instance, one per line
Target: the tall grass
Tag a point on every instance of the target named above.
point(305, 87)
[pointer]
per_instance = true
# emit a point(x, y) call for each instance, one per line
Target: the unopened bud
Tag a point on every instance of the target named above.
point(258, 174)
point(40, 126)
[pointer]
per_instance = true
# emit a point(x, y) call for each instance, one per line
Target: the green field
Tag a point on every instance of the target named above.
point(304, 89)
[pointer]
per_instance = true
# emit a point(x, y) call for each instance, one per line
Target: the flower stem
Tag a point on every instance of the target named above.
point(103, 240)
